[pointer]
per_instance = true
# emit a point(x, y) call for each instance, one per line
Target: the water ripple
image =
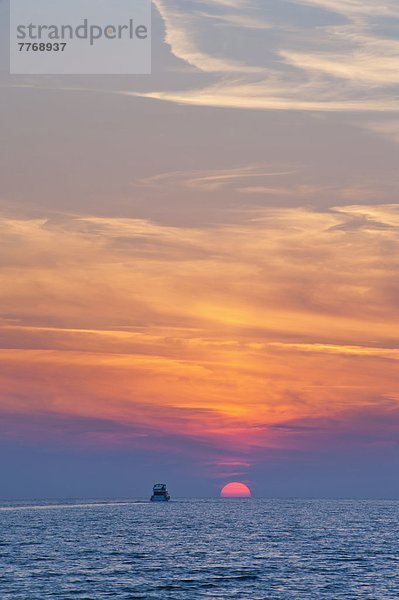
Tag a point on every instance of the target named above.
point(257, 549)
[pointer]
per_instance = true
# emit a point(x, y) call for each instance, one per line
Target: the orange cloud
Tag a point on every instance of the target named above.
point(222, 334)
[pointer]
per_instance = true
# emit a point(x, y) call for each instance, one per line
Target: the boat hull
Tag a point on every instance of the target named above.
point(160, 498)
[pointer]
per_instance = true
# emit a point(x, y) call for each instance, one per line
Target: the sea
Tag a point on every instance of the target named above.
point(231, 548)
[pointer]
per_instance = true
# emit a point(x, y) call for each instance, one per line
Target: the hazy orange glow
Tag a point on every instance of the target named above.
point(170, 335)
point(235, 490)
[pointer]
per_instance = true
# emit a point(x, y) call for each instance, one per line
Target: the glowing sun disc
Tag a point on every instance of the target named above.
point(235, 490)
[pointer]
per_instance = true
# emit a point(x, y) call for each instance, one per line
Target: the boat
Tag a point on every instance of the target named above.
point(160, 493)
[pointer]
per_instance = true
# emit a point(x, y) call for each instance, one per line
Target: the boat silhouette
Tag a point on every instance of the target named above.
point(160, 493)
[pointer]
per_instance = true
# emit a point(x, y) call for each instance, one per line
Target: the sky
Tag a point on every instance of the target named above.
point(199, 267)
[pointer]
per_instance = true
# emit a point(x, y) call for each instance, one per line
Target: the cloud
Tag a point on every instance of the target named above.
point(201, 333)
point(361, 59)
point(354, 8)
point(214, 180)
point(147, 260)
point(267, 94)
point(182, 25)
point(389, 353)
point(284, 67)
point(324, 56)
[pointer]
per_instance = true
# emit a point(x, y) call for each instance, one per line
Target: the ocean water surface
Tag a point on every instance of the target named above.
point(255, 549)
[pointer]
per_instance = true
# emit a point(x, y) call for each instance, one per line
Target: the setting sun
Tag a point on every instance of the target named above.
point(235, 490)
